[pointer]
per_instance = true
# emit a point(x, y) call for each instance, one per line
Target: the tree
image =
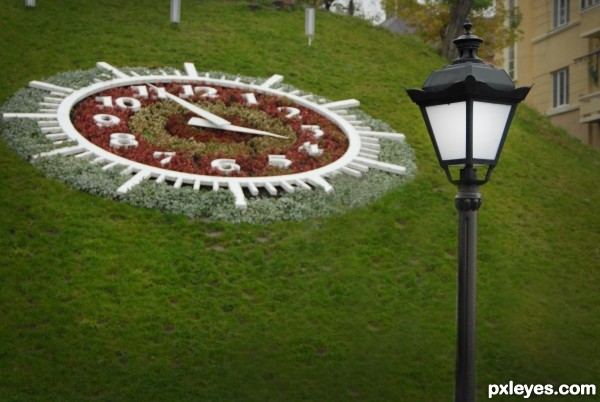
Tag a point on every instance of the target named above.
point(328, 4)
point(439, 22)
point(459, 11)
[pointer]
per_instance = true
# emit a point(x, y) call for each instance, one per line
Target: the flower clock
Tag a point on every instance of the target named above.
point(204, 133)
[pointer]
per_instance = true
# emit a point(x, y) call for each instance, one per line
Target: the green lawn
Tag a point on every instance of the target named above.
point(101, 301)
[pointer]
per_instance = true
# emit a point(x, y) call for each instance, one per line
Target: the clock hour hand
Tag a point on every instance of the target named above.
point(195, 121)
point(214, 119)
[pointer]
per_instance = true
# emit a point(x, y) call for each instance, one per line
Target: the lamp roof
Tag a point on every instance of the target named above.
point(467, 64)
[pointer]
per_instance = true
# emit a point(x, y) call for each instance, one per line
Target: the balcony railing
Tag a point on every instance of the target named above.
point(589, 108)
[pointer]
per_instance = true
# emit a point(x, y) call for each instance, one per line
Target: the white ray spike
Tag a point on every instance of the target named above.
point(51, 129)
point(84, 154)
point(197, 184)
point(376, 147)
point(47, 123)
point(368, 156)
point(252, 188)
point(270, 188)
point(110, 165)
point(275, 79)
point(238, 193)
point(65, 151)
point(351, 172)
point(98, 160)
point(387, 167)
point(54, 100)
point(378, 134)
point(57, 136)
point(369, 140)
point(35, 116)
point(133, 181)
point(343, 104)
point(358, 166)
point(50, 87)
point(320, 182)
point(302, 184)
point(287, 186)
point(114, 70)
point(190, 69)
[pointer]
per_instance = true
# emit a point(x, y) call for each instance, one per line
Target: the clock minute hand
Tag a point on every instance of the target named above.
point(195, 121)
point(214, 119)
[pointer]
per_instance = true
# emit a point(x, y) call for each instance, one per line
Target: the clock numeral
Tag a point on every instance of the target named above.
point(250, 98)
point(166, 157)
point(142, 91)
point(186, 91)
point(291, 111)
point(226, 166)
point(161, 92)
point(106, 120)
point(127, 103)
point(279, 161)
point(206, 92)
point(317, 132)
point(123, 103)
point(123, 140)
point(106, 101)
point(311, 149)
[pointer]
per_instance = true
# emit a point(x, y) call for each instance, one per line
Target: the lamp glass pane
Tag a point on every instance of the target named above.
point(449, 125)
point(489, 122)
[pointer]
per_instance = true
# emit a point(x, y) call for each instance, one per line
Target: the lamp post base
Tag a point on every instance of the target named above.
point(467, 201)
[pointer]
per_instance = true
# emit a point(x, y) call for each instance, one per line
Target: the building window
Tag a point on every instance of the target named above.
point(561, 12)
point(510, 62)
point(510, 52)
point(560, 88)
point(589, 3)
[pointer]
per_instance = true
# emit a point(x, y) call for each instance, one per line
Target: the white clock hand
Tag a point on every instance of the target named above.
point(214, 119)
point(195, 121)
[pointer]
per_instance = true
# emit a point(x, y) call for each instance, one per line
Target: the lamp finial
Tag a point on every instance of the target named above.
point(467, 25)
point(467, 45)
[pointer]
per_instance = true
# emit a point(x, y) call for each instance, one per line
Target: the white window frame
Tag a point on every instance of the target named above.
point(560, 88)
point(511, 51)
point(561, 13)
point(511, 61)
point(585, 4)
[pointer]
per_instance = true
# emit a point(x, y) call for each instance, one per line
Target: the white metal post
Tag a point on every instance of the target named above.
point(175, 11)
point(309, 27)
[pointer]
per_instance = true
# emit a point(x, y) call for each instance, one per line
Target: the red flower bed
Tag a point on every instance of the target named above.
point(334, 143)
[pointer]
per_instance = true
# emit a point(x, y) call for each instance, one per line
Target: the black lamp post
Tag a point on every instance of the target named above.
point(467, 107)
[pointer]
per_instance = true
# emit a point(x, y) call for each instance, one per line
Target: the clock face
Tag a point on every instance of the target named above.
point(196, 130)
point(264, 135)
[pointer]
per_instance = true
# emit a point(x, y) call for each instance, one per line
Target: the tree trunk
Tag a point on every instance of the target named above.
point(459, 11)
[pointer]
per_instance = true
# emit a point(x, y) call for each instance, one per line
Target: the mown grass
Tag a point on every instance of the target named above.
point(102, 301)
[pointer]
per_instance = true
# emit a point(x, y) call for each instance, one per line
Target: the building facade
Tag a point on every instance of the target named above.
point(559, 54)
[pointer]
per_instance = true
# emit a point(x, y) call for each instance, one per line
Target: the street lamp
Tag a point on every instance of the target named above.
point(467, 107)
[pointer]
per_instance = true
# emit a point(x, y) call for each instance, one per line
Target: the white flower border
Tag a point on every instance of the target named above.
point(26, 138)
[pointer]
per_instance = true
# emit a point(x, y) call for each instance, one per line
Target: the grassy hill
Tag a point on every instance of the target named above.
point(102, 301)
